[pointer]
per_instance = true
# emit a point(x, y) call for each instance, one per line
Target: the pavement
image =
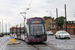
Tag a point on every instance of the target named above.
point(73, 36)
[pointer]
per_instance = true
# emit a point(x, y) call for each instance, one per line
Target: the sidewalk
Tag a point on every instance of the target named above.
point(73, 36)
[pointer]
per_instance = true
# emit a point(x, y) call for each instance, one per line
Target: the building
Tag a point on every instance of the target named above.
point(71, 27)
point(51, 25)
point(48, 21)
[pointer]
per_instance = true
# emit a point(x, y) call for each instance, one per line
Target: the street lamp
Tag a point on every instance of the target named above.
point(24, 16)
point(57, 18)
point(0, 27)
point(49, 12)
point(9, 25)
point(6, 27)
point(51, 19)
point(65, 16)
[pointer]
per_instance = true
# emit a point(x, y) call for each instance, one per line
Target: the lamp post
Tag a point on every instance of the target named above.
point(0, 27)
point(6, 28)
point(57, 17)
point(9, 25)
point(51, 19)
point(24, 16)
point(65, 16)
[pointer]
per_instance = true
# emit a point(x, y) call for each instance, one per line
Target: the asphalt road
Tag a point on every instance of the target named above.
point(3, 40)
point(62, 43)
point(50, 44)
point(24, 46)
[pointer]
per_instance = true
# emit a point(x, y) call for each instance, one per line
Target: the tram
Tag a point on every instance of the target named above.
point(33, 31)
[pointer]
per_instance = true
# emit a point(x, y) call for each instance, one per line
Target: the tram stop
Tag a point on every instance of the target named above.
point(13, 42)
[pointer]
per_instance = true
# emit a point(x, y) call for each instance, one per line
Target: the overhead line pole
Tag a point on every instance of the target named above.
point(65, 16)
point(57, 18)
point(2, 25)
point(24, 18)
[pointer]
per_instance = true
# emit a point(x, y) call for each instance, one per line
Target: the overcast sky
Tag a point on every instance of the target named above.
point(10, 9)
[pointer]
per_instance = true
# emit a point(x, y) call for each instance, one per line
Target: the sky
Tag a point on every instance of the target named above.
point(10, 10)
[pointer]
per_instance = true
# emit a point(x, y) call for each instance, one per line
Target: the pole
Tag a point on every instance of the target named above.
point(2, 25)
point(57, 17)
point(69, 28)
point(51, 21)
point(24, 25)
point(20, 29)
point(12, 30)
point(24, 19)
point(6, 28)
point(16, 31)
point(65, 17)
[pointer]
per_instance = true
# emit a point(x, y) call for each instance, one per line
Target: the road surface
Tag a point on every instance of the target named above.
point(50, 44)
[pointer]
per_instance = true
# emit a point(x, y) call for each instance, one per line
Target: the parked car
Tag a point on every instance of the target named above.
point(1, 35)
point(62, 34)
point(49, 33)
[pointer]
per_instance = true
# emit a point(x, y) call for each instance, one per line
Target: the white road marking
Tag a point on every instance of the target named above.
point(64, 47)
point(3, 47)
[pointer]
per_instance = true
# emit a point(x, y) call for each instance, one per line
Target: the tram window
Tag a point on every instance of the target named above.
point(28, 29)
point(37, 29)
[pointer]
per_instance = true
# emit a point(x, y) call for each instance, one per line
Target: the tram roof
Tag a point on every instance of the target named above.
point(35, 18)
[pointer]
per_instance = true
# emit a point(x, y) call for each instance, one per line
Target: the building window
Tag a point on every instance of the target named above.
point(48, 28)
point(54, 25)
point(71, 25)
point(48, 25)
point(48, 20)
point(71, 21)
point(74, 25)
point(74, 21)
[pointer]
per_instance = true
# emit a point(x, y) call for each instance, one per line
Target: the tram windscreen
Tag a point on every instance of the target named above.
point(37, 29)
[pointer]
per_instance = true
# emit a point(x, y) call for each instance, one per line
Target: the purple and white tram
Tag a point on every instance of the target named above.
point(35, 30)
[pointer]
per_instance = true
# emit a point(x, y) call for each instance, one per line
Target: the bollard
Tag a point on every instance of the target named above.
point(13, 40)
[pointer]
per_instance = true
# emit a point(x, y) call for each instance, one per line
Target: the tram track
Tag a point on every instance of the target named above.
point(34, 45)
point(45, 44)
point(37, 46)
point(52, 47)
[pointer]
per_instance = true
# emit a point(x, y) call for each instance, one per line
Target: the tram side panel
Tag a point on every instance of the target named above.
point(22, 33)
point(12, 32)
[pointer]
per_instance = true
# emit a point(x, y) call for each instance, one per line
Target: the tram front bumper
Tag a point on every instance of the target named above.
point(37, 39)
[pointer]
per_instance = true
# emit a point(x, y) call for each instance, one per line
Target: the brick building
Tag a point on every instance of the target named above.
point(51, 25)
point(48, 20)
point(70, 27)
